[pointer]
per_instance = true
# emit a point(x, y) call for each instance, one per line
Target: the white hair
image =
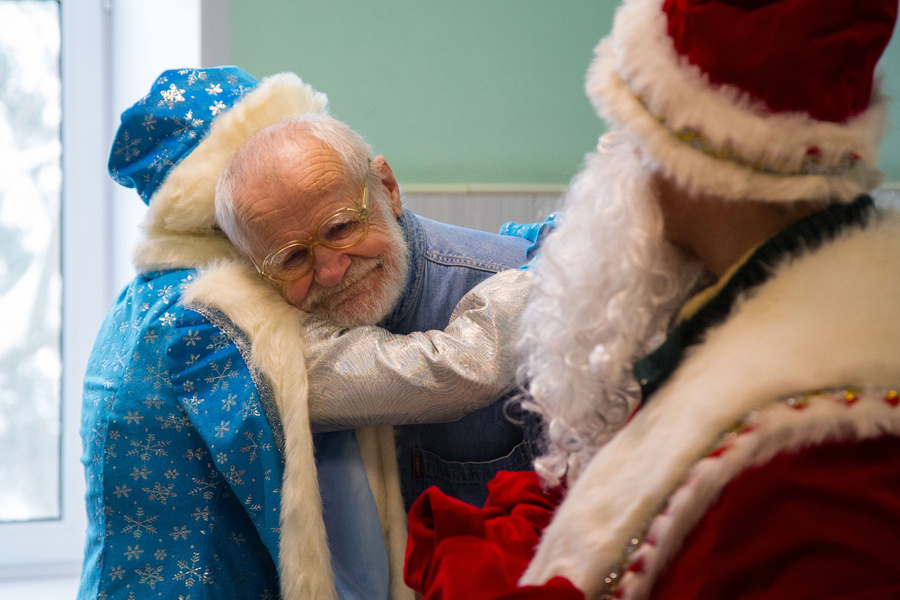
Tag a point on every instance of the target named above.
point(606, 289)
point(254, 161)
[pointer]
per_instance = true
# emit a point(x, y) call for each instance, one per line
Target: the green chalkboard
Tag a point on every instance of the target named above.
point(463, 92)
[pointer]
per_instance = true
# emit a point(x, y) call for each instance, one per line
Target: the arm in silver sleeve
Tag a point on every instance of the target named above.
point(366, 376)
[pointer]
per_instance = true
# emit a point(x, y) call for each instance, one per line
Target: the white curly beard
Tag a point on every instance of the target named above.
point(606, 290)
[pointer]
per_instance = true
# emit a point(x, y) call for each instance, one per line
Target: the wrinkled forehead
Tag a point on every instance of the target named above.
point(307, 171)
point(292, 190)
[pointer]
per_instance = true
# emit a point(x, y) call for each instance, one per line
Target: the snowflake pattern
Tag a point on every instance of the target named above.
point(140, 473)
point(234, 476)
point(205, 488)
point(192, 404)
point(150, 447)
point(219, 341)
point(255, 445)
point(150, 575)
point(160, 162)
point(171, 96)
point(217, 107)
point(192, 572)
point(193, 75)
point(139, 524)
point(155, 502)
point(158, 375)
point(122, 491)
point(158, 492)
point(180, 532)
point(239, 91)
point(127, 147)
point(229, 402)
point(173, 421)
point(219, 377)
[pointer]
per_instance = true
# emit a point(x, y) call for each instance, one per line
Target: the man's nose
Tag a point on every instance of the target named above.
point(330, 265)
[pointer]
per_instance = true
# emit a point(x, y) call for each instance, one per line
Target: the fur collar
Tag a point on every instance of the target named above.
point(827, 319)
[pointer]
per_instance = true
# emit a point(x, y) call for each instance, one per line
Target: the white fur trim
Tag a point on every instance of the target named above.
point(639, 59)
point(276, 337)
point(827, 319)
point(166, 250)
point(779, 428)
point(185, 202)
point(379, 452)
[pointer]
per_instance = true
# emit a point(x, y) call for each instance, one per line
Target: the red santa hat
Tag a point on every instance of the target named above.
point(750, 99)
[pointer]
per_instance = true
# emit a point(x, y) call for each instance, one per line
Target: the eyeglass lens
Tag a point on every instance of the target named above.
point(341, 230)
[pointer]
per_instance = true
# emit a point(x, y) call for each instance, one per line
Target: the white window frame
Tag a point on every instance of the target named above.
point(55, 547)
point(111, 51)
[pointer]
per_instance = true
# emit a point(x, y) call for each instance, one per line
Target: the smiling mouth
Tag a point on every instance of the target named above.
point(353, 288)
point(345, 292)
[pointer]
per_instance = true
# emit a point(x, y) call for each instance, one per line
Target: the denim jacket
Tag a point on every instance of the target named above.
point(459, 457)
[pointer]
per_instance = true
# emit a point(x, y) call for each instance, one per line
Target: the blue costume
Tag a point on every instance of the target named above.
point(187, 462)
point(195, 512)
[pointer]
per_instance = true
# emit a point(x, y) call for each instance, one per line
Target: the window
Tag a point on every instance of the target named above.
point(30, 278)
point(107, 54)
point(52, 272)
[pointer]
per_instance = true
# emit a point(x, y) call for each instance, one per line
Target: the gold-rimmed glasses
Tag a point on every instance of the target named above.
point(341, 230)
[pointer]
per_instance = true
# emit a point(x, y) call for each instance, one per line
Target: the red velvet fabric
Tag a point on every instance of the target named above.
point(458, 551)
point(811, 56)
point(822, 523)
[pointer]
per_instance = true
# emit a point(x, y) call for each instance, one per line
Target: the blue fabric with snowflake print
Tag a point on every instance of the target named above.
point(182, 453)
point(165, 126)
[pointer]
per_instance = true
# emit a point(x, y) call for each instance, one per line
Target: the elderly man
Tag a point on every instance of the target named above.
point(196, 427)
point(744, 443)
point(326, 225)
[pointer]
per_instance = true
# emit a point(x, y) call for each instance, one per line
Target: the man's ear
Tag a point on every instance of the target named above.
point(382, 170)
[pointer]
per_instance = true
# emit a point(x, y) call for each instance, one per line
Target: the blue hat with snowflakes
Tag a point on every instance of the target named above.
point(164, 126)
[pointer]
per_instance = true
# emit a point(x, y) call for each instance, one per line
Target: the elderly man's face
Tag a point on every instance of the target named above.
point(351, 286)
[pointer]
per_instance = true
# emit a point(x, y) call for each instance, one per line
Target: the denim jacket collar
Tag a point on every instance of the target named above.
point(415, 241)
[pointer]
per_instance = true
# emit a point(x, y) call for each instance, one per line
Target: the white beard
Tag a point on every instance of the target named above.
point(377, 284)
point(606, 289)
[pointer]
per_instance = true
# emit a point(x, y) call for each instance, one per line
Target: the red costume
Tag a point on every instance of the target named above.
point(764, 462)
point(729, 482)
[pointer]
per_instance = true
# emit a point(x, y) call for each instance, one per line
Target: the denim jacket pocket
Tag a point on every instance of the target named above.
point(466, 481)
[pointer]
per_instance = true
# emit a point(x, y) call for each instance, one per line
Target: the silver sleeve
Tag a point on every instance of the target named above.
point(366, 376)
